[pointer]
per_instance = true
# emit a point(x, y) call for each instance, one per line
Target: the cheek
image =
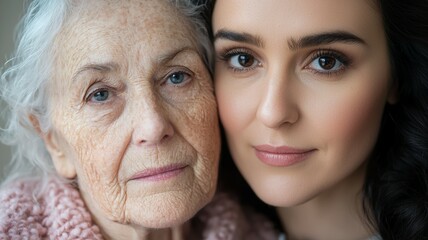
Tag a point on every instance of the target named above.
point(197, 122)
point(351, 120)
point(237, 107)
point(97, 151)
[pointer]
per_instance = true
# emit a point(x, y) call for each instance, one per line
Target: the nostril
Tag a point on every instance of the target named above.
point(165, 137)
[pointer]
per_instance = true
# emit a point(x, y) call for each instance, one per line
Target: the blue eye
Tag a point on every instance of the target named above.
point(101, 95)
point(178, 78)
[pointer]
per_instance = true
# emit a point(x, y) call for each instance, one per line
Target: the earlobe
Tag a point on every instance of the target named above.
point(62, 164)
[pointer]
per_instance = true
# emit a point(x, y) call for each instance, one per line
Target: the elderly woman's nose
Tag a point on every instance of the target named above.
point(152, 125)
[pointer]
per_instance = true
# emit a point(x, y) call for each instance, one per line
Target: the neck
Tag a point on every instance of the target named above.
point(335, 214)
point(117, 231)
point(126, 231)
point(174, 233)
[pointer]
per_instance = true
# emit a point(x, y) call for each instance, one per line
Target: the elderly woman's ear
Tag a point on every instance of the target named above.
point(63, 165)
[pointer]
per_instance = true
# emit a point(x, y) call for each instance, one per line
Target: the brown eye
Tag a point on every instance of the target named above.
point(245, 60)
point(240, 61)
point(327, 63)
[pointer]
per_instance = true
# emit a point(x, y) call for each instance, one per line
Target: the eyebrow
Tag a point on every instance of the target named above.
point(163, 59)
point(99, 67)
point(109, 66)
point(324, 38)
point(239, 37)
point(293, 44)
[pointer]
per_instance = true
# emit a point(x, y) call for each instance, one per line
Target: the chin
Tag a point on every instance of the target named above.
point(165, 214)
point(279, 197)
point(165, 219)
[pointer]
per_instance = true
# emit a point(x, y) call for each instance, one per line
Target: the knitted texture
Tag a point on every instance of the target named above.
point(224, 219)
point(60, 213)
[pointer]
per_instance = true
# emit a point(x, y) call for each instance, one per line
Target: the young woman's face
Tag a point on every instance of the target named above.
point(301, 87)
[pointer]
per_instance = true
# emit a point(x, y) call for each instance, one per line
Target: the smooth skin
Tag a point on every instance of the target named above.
point(130, 94)
point(311, 76)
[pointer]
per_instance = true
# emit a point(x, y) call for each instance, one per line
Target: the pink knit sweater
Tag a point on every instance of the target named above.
point(60, 213)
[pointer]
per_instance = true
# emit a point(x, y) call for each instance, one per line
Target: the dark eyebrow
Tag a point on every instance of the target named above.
point(239, 37)
point(324, 38)
point(293, 44)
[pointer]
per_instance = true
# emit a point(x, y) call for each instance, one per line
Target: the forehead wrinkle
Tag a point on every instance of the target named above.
point(97, 67)
point(171, 55)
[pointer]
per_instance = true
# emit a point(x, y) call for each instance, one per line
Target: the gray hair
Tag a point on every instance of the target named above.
point(24, 81)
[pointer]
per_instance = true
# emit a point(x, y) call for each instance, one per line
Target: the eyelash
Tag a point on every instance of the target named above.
point(343, 59)
point(90, 95)
point(184, 71)
point(227, 55)
point(95, 91)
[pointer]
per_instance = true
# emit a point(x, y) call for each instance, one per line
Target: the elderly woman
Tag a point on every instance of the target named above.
point(114, 124)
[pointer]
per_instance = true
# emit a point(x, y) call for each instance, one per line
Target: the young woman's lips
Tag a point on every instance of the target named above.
point(159, 174)
point(282, 156)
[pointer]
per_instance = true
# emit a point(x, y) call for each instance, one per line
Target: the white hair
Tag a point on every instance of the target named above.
point(24, 81)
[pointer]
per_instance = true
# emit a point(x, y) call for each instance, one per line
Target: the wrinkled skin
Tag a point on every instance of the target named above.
point(130, 92)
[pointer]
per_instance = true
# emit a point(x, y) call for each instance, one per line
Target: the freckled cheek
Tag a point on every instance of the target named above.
point(98, 151)
point(198, 123)
point(98, 164)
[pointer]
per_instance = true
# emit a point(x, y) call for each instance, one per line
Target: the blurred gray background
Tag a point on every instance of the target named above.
point(10, 13)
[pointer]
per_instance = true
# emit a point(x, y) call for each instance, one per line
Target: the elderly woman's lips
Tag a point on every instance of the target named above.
point(157, 174)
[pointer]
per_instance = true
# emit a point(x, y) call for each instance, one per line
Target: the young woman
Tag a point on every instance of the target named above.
point(325, 109)
point(109, 105)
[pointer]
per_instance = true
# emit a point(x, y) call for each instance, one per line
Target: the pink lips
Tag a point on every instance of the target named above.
point(281, 156)
point(159, 174)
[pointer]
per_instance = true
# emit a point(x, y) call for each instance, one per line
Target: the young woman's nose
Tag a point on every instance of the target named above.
point(153, 124)
point(278, 105)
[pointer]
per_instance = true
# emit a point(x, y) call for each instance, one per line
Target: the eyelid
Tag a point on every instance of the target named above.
point(96, 90)
point(98, 85)
point(226, 54)
point(229, 52)
point(177, 69)
point(341, 57)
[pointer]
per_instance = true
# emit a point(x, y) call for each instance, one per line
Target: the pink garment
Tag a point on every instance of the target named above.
point(60, 213)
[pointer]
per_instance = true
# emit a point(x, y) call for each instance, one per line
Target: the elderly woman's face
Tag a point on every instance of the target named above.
point(133, 111)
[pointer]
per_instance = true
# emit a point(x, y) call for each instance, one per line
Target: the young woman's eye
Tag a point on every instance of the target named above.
point(328, 62)
point(178, 78)
point(243, 60)
point(240, 60)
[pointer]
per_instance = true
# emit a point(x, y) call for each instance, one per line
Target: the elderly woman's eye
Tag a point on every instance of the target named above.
point(100, 95)
point(178, 78)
